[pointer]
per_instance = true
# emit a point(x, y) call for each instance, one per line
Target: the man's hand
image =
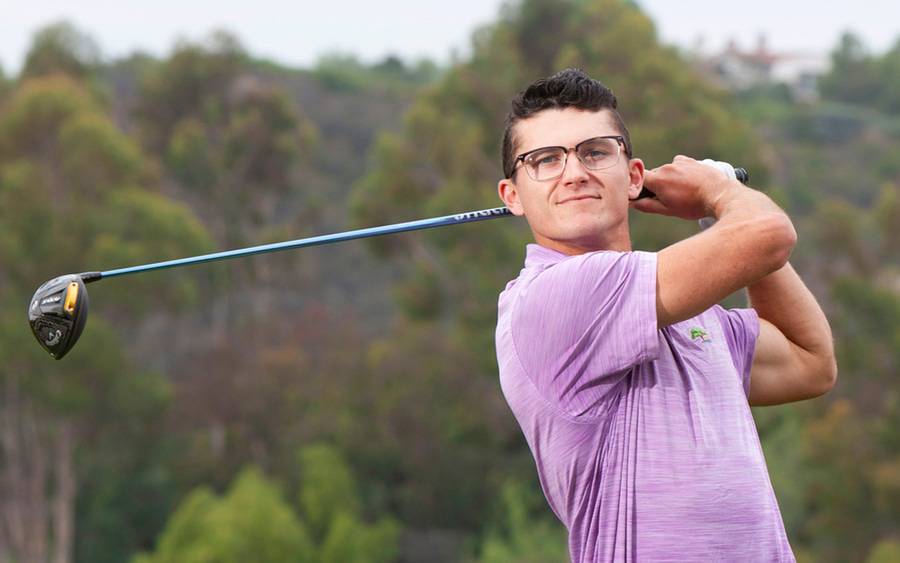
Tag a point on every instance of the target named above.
point(686, 188)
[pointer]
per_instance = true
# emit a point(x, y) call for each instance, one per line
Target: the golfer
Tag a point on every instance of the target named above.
point(632, 386)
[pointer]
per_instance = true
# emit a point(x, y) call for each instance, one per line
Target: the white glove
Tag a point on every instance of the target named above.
point(726, 169)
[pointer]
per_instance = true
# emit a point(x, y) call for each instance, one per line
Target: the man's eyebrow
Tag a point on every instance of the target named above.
point(560, 145)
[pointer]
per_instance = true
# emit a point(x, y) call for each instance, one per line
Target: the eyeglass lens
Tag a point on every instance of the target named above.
point(594, 154)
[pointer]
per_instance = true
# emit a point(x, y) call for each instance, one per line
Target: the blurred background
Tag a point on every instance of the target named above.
point(341, 404)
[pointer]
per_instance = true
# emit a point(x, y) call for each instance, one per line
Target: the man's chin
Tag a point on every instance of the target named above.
point(593, 234)
point(570, 244)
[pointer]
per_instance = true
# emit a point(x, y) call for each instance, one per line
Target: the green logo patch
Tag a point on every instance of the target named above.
point(701, 334)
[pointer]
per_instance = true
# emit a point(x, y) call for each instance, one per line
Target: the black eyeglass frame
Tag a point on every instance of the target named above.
point(521, 158)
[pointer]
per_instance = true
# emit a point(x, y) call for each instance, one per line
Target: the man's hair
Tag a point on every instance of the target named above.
point(568, 88)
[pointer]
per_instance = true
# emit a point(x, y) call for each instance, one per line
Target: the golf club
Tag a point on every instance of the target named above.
point(58, 310)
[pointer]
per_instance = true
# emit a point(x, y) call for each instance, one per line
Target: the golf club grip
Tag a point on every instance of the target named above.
point(741, 173)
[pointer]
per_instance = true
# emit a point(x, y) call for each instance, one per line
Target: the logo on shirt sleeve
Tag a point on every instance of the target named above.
point(700, 334)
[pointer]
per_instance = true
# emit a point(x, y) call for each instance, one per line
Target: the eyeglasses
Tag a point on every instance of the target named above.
point(547, 163)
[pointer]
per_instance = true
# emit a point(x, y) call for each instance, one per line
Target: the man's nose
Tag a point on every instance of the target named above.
point(574, 171)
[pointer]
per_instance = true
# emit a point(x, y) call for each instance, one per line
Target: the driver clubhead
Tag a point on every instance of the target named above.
point(57, 313)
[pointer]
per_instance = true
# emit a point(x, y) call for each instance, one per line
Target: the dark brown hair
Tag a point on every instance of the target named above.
point(567, 88)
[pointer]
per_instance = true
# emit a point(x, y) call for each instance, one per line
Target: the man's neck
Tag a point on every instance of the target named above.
point(574, 248)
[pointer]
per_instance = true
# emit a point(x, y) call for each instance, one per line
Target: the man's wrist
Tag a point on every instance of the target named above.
point(729, 178)
point(723, 201)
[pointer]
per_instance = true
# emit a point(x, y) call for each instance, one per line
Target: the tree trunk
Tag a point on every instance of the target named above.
point(12, 533)
point(23, 472)
point(64, 501)
point(34, 440)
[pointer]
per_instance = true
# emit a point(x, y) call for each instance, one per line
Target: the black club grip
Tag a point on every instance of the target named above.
point(741, 173)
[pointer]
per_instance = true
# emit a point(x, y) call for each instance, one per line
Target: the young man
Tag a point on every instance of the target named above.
point(631, 385)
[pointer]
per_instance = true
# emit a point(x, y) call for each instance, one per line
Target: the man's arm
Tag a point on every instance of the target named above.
point(794, 357)
point(751, 239)
point(747, 247)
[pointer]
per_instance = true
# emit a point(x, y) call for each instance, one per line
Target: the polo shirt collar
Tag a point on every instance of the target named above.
point(537, 255)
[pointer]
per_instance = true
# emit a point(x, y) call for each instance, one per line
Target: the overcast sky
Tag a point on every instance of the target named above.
point(296, 33)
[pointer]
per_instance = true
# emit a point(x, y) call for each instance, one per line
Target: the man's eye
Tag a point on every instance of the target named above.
point(597, 154)
point(545, 159)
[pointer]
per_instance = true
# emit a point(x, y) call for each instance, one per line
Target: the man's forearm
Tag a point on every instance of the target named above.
point(784, 300)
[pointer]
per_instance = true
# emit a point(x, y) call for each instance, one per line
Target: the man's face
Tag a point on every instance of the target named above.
point(582, 210)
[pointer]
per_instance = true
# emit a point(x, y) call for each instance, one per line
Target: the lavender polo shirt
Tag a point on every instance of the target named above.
point(642, 437)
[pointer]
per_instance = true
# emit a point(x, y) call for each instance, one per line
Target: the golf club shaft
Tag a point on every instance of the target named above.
point(446, 220)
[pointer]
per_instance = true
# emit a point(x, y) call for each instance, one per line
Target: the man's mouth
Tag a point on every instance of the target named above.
point(578, 198)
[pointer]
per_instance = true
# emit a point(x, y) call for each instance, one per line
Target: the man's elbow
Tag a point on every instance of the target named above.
point(825, 377)
point(779, 233)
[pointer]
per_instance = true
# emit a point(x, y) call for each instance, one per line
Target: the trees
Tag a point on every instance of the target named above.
point(250, 522)
point(344, 72)
point(228, 138)
point(829, 459)
point(231, 145)
point(64, 170)
point(520, 537)
point(61, 48)
point(253, 151)
point(861, 78)
point(253, 521)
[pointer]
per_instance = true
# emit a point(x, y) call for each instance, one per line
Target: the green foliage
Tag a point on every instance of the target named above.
point(185, 533)
point(860, 78)
point(520, 536)
point(252, 522)
point(191, 82)
point(190, 156)
point(862, 275)
point(435, 441)
point(835, 163)
point(350, 540)
point(331, 506)
point(839, 491)
point(780, 430)
point(886, 551)
point(327, 488)
point(137, 227)
point(868, 322)
point(72, 188)
point(837, 448)
point(853, 73)
point(61, 48)
point(126, 493)
point(827, 150)
point(345, 72)
point(5, 85)
point(885, 213)
point(37, 109)
point(232, 140)
point(95, 157)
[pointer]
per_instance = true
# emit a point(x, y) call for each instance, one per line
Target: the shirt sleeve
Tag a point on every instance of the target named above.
point(583, 323)
point(741, 329)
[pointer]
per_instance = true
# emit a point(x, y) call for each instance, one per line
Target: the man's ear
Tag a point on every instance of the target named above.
point(509, 193)
point(636, 177)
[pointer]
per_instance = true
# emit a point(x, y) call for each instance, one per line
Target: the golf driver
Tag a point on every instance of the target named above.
point(58, 310)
